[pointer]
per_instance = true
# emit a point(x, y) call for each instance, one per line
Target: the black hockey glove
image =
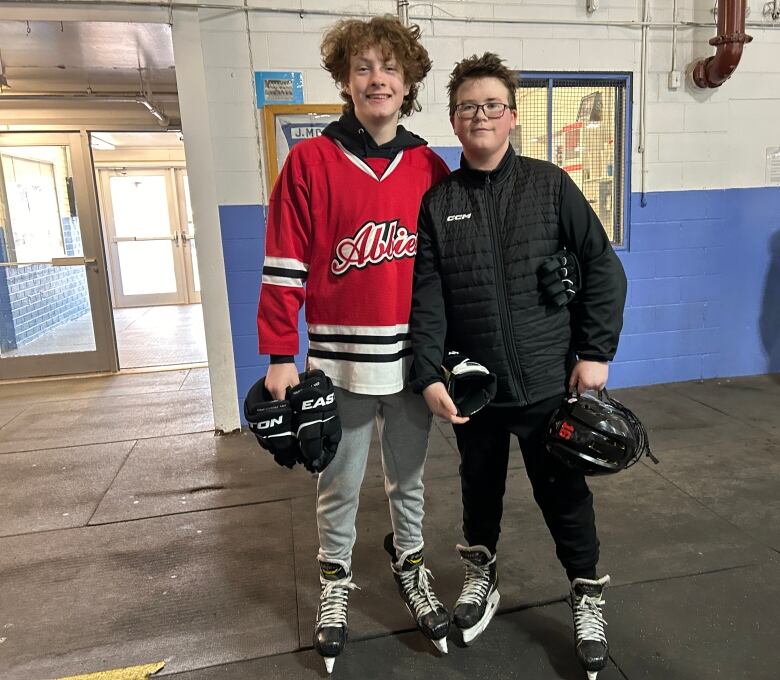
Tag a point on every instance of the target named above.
point(470, 385)
point(315, 419)
point(271, 422)
point(559, 278)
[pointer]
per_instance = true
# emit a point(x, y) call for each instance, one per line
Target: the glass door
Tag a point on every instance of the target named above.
point(55, 314)
point(143, 236)
point(150, 233)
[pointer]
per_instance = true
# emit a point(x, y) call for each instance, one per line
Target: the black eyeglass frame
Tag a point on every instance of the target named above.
point(458, 110)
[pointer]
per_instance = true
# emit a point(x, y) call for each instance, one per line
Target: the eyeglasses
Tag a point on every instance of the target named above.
point(490, 109)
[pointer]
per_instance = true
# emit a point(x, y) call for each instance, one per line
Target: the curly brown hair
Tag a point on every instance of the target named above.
point(489, 65)
point(351, 37)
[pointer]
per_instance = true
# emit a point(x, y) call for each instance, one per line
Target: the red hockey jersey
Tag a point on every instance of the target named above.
point(343, 238)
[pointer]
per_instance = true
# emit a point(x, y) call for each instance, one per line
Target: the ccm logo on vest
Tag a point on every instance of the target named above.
point(318, 402)
point(456, 218)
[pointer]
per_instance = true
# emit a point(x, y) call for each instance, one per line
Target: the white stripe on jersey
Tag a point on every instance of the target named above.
point(359, 348)
point(365, 167)
point(329, 329)
point(270, 280)
point(365, 378)
point(285, 263)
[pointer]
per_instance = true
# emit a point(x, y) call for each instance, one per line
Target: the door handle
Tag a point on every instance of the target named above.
point(71, 261)
point(176, 238)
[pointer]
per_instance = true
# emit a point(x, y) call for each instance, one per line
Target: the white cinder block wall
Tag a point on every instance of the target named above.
point(695, 139)
point(689, 315)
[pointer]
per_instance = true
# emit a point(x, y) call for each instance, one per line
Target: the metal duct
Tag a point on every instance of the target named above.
point(162, 119)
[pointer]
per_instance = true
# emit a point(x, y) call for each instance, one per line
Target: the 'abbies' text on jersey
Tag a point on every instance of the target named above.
point(373, 243)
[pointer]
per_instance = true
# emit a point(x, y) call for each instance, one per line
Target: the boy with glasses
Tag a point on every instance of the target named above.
point(483, 234)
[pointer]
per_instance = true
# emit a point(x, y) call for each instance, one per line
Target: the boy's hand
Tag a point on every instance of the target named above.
point(589, 375)
point(441, 404)
point(279, 378)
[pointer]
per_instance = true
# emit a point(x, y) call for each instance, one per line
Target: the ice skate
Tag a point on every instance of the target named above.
point(479, 598)
point(412, 578)
point(330, 628)
point(590, 637)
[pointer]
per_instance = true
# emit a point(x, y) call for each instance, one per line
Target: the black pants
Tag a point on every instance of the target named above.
point(561, 493)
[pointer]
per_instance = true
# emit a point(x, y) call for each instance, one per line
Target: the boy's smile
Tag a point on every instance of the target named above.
point(484, 139)
point(377, 88)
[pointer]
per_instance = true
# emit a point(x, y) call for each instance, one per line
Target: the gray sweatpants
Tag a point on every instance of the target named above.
point(403, 421)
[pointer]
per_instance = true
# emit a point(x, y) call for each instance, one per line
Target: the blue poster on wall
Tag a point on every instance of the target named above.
point(279, 87)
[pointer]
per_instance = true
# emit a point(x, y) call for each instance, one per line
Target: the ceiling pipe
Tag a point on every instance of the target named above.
point(403, 12)
point(162, 119)
point(716, 70)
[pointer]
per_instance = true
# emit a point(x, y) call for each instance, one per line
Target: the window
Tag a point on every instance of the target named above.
point(580, 123)
point(32, 177)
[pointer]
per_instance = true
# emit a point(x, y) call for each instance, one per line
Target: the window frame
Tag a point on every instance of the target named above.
point(626, 124)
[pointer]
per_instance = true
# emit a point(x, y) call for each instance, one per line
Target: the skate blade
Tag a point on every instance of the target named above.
point(441, 645)
point(330, 661)
point(471, 634)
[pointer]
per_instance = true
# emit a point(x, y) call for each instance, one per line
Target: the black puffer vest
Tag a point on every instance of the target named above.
point(492, 231)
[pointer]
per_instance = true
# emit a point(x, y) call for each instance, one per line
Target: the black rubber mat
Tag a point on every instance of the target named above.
point(648, 528)
point(55, 488)
point(194, 590)
point(718, 625)
point(754, 400)
point(534, 644)
point(736, 478)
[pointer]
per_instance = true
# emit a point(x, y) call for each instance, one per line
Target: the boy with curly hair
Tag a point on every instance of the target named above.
point(342, 236)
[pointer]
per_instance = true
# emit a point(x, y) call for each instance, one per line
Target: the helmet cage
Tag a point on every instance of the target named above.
point(594, 436)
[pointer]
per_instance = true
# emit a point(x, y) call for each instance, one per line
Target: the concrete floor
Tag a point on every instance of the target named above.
point(130, 534)
point(164, 335)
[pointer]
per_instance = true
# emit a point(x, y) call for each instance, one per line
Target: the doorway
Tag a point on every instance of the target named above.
point(149, 235)
point(54, 305)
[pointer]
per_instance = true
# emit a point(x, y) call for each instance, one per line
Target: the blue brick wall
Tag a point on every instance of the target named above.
point(704, 287)
point(703, 297)
point(7, 335)
point(37, 298)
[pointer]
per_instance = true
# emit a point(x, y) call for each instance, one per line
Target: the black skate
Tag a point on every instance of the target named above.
point(479, 598)
point(411, 576)
point(590, 638)
point(330, 628)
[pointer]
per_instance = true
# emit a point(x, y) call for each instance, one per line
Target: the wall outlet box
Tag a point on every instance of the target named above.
point(675, 80)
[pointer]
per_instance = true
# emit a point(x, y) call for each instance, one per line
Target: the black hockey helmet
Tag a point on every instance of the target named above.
point(596, 434)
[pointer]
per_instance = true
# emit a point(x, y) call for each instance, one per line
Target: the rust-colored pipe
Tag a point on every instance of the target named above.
point(716, 70)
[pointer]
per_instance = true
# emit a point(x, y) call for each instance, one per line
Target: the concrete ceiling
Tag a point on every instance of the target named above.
point(73, 56)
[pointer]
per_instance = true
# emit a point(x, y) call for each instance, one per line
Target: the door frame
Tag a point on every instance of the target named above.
point(187, 239)
point(104, 358)
point(177, 224)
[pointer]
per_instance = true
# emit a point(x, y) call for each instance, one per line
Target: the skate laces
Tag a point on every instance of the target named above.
point(333, 602)
point(476, 585)
point(416, 586)
point(588, 618)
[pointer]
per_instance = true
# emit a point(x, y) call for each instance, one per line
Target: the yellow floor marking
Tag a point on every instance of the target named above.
point(130, 673)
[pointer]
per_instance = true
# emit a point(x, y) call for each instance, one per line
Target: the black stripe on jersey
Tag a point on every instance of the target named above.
point(359, 339)
point(358, 358)
point(280, 271)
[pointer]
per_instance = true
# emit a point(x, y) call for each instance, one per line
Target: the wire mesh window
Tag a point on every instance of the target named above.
point(579, 123)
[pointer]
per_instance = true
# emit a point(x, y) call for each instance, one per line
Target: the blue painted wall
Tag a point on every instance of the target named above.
point(703, 296)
